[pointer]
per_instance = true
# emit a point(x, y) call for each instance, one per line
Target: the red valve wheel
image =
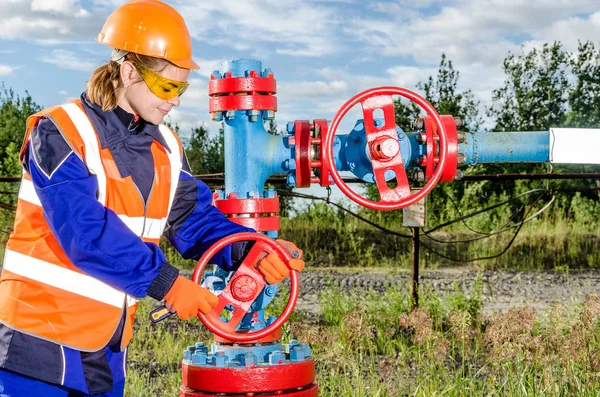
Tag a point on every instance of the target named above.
point(383, 148)
point(244, 287)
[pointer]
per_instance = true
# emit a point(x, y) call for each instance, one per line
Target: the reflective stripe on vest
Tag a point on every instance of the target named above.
point(146, 228)
point(92, 149)
point(174, 158)
point(27, 192)
point(63, 278)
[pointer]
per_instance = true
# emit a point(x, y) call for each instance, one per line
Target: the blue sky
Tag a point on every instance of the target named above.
point(321, 51)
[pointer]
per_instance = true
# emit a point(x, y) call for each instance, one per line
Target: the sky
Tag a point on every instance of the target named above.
point(322, 52)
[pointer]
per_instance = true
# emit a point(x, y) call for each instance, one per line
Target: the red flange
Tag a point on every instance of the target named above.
point(242, 102)
point(302, 141)
point(244, 287)
point(235, 206)
point(242, 93)
point(431, 139)
point(255, 379)
point(322, 172)
point(309, 391)
point(309, 152)
point(259, 214)
point(250, 84)
point(381, 149)
point(449, 171)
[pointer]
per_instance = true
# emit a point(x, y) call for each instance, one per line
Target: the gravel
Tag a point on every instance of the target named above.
point(501, 289)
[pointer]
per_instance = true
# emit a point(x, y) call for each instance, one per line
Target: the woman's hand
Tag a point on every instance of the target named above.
point(273, 267)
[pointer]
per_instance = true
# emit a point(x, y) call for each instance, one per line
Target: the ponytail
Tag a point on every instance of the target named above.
point(102, 85)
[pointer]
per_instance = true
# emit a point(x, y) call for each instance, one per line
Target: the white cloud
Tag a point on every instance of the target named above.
point(196, 95)
point(409, 76)
point(55, 21)
point(70, 60)
point(207, 66)
point(186, 120)
point(5, 70)
point(65, 7)
point(571, 30)
point(294, 27)
point(466, 30)
point(312, 89)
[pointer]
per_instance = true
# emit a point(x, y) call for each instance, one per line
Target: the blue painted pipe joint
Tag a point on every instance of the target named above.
point(241, 356)
point(352, 154)
point(251, 154)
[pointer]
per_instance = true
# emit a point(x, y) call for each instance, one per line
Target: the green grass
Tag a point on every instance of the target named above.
point(549, 242)
point(369, 344)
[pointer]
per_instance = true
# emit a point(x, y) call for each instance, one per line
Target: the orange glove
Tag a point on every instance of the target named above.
point(274, 269)
point(187, 298)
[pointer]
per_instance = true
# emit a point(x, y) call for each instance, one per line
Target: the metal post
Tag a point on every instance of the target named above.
point(415, 270)
point(415, 217)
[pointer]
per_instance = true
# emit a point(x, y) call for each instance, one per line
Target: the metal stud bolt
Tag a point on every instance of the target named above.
point(253, 115)
point(269, 115)
point(216, 116)
point(418, 124)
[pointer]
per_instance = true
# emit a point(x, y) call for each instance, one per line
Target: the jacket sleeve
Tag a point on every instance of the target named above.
point(194, 224)
point(92, 236)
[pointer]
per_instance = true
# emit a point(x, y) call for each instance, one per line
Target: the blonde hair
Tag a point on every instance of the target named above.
point(101, 88)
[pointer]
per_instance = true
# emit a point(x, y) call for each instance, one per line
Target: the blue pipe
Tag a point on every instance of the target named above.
point(251, 154)
point(506, 147)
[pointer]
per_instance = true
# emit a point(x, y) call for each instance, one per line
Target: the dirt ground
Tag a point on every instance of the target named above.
point(501, 289)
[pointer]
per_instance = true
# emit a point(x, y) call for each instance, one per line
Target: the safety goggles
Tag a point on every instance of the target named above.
point(164, 88)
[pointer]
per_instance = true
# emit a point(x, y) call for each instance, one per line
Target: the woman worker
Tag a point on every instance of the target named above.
point(103, 180)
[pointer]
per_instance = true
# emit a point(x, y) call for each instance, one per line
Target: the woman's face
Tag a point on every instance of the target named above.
point(142, 101)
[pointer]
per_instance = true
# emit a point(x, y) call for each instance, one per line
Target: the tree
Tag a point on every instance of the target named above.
point(533, 98)
point(443, 93)
point(535, 92)
point(584, 95)
point(14, 111)
point(205, 153)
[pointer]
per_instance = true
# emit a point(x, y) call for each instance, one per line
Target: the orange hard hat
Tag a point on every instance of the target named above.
point(152, 28)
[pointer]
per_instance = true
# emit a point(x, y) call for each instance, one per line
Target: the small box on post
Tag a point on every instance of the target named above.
point(415, 215)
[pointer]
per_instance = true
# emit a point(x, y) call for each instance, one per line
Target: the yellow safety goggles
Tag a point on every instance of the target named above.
point(164, 88)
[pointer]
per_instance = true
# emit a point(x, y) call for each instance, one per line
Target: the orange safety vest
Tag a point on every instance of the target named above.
point(41, 292)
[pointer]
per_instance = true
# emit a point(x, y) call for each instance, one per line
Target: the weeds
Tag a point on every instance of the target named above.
point(370, 344)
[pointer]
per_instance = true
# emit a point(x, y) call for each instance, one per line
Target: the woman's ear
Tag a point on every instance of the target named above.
point(128, 73)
